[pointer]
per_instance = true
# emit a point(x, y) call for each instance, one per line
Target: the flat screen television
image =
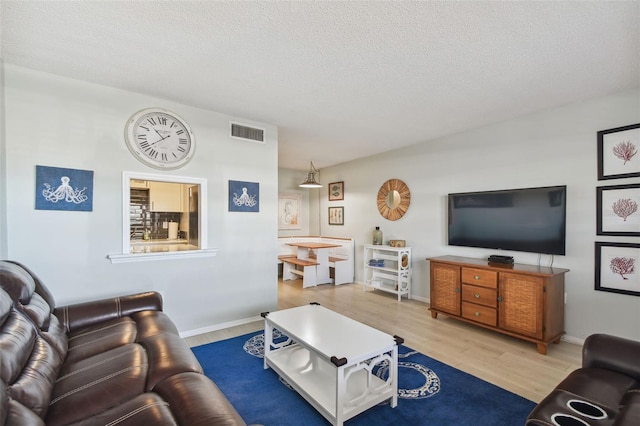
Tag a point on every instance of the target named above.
point(528, 219)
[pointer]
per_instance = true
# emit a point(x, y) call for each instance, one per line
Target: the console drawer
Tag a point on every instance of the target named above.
point(480, 295)
point(480, 313)
point(480, 277)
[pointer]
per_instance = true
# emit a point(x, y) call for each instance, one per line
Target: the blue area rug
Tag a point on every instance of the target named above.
point(430, 392)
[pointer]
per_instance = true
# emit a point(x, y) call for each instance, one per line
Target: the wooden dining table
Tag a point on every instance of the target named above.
point(307, 251)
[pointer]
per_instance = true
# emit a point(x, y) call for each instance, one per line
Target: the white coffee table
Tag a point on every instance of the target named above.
point(329, 360)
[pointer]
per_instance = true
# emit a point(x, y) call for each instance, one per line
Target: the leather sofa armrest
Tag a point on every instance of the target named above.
point(612, 353)
point(89, 313)
point(197, 401)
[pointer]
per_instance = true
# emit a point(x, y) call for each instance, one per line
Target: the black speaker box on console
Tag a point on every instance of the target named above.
point(501, 259)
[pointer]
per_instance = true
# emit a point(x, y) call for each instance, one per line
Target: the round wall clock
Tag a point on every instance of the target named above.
point(159, 138)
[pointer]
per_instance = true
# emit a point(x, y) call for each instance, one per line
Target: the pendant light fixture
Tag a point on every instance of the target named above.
point(311, 179)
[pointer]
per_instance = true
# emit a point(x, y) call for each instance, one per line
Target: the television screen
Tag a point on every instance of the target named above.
point(528, 219)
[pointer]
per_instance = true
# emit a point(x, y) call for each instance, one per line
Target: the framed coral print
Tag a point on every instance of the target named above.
point(336, 215)
point(617, 210)
point(336, 191)
point(616, 268)
point(618, 152)
point(289, 211)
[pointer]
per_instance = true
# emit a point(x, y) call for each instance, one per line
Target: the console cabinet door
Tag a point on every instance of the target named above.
point(521, 304)
point(445, 288)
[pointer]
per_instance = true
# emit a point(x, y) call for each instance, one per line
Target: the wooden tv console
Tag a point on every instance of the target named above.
point(523, 301)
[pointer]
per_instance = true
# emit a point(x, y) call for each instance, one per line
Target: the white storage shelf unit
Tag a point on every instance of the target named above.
point(315, 378)
point(388, 268)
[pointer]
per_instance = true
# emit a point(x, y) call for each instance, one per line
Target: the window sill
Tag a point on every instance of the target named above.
point(145, 257)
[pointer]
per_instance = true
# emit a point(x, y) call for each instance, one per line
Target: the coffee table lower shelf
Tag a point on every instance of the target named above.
point(316, 380)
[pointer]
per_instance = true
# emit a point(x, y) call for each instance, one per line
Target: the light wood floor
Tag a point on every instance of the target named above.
point(507, 362)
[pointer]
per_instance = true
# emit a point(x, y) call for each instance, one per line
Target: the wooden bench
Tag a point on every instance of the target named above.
point(290, 269)
point(341, 259)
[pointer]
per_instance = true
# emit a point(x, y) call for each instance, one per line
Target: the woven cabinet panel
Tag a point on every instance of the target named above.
point(445, 288)
point(522, 303)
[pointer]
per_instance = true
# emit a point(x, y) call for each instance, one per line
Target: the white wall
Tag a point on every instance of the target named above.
point(61, 122)
point(555, 147)
point(3, 166)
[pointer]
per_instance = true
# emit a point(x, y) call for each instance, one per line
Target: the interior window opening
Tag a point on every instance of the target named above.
point(163, 214)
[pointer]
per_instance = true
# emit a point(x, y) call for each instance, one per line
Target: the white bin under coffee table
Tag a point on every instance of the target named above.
point(329, 360)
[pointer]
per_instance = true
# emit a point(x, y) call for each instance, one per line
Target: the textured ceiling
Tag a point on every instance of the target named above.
point(341, 80)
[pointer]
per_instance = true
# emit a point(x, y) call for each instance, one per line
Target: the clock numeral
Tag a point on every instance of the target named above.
point(179, 132)
point(162, 120)
point(153, 153)
point(164, 157)
point(174, 155)
point(142, 137)
point(145, 145)
point(173, 124)
point(182, 141)
point(151, 120)
point(181, 149)
point(146, 128)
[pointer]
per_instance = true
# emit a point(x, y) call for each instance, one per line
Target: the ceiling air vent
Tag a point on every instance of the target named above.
point(239, 131)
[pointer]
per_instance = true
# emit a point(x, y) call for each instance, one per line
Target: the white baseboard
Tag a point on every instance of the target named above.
point(413, 297)
point(574, 340)
point(216, 327)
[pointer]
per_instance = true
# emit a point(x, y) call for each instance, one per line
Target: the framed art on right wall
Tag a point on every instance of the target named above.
point(616, 268)
point(336, 191)
point(617, 210)
point(617, 152)
point(336, 215)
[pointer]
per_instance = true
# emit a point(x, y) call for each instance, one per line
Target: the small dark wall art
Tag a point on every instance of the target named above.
point(244, 196)
point(336, 191)
point(64, 189)
point(617, 268)
point(618, 152)
point(617, 210)
point(336, 215)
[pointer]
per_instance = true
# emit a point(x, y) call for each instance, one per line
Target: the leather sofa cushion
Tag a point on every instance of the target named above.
point(630, 412)
point(29, 364)
point(555, 404)
point(56, 336)
point(168, 355)
point(99, 338)
point(17, 282)
point(201, 402)
point(601, 387)
point(18, 414)
point(151, 323)
point(612, 353)
point(97, 384)
point(41, 289)
point(88, 314)
point(145, 409)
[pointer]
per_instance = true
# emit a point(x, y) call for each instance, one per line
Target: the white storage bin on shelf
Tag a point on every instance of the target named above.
point(388, 268)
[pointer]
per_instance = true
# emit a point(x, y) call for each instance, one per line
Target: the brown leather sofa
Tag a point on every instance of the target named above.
point(605, 391)
point(116, 361)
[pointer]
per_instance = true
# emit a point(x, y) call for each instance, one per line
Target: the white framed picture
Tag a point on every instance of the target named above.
point(289, 211)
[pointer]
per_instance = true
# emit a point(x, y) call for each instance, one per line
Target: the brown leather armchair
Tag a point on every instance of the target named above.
point(113, 361)
point(605, 391)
